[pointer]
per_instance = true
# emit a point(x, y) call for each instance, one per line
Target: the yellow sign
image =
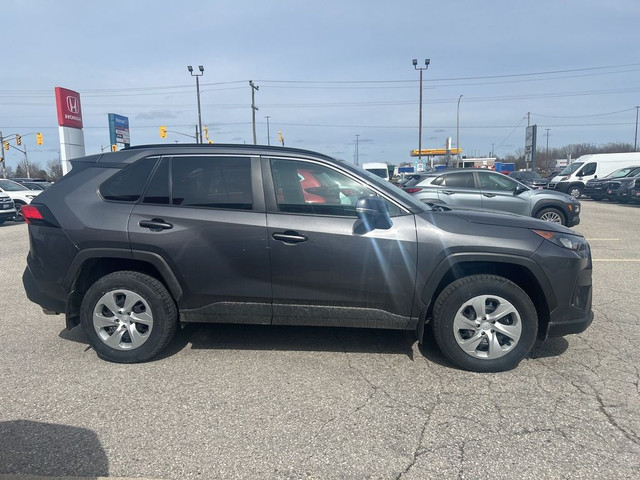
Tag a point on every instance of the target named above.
point(425, 152)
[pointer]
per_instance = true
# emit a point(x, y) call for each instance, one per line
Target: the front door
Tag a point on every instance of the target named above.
point(326, 268)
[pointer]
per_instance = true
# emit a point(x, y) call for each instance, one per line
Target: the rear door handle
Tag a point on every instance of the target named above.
point(289, 237)
point(155, 224)
point(490, 195)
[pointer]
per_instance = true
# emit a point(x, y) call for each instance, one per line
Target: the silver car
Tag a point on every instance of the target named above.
point(488, 190)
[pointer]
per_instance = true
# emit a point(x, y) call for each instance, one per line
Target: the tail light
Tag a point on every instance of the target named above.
point(412, 189)
point(38, 215)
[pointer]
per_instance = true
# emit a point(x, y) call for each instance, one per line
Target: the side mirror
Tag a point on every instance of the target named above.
point(372, 212)
point(519, 189)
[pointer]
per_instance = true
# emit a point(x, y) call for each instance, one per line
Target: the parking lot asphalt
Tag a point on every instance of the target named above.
point(232, 401)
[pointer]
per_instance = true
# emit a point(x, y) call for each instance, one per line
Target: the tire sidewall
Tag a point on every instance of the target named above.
point(151, 290)
point(458, 293)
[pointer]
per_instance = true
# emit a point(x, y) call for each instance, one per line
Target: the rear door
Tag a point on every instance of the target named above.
point(459, 189)
point(326, 268)
point(204, 216)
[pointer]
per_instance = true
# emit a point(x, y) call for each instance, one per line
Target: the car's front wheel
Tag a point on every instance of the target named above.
point(552, 215)
point(484, 323)
point(128, 317)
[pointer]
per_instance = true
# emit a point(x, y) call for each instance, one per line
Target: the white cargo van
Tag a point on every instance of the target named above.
point(573, 178)
point(379, 169)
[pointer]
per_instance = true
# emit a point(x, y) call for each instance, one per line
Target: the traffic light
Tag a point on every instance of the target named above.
point(18, 139)
point(205, 129)
point(6, 145)
point(163, 131)
point(114, 147)
point(280, 138)
point(39, 138)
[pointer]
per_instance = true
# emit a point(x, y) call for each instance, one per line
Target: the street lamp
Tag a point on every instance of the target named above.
point(415, 65)
point(198, 75)
point(458, 130)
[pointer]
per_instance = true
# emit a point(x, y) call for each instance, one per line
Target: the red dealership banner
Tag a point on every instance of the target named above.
point(69, 110)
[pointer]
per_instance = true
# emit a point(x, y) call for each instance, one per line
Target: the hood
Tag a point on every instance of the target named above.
point(553, 194)
point(506, 220)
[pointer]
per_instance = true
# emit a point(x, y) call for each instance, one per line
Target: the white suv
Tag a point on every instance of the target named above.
point(20, 194)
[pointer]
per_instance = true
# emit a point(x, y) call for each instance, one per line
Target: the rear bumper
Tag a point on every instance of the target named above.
point(43, 295)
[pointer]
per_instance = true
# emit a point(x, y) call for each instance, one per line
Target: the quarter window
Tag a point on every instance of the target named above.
point(128, 183)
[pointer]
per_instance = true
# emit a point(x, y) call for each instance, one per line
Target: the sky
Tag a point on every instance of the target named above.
point(330, 74)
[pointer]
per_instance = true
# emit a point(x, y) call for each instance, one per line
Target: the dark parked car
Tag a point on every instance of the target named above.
point(596, 188)
point(488, 190)
point(620, 189)
point(130, 244)
point(529, 178)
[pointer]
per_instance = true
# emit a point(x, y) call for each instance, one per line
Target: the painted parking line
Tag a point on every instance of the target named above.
point(631, 260)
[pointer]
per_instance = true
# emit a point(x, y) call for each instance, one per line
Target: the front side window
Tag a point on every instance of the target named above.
point(588, 169)
point(305, 187)
point(490, 181)
point(128, 183)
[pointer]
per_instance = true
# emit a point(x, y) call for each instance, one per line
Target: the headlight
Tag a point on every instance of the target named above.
point(572, 242)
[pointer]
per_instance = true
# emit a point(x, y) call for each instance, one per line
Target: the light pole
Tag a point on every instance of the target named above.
point(547, 129)
point(198, 75)
point(458, 131)
point(268, 135)
point(415, 65)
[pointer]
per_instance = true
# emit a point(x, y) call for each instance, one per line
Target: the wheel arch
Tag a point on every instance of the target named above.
point(520, 270)
point(92, 264)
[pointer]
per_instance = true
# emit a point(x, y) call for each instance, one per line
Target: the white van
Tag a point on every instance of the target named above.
point(379, 169)
point(573, 178)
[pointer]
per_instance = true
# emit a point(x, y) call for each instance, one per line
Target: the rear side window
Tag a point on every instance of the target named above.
point(464, 180)
point(202, 181)
point(128, 183)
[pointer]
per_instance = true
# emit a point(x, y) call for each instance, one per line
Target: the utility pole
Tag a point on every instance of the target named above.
point(253, 109)
point(458, 132)
point(357, 151)
point(547, 129)
point(4, 166)
point(635, 141)
point(268, 135)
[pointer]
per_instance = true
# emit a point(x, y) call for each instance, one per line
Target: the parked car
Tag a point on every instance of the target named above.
point(487, 190)
point(7, 208)
point(620, 189)
point(596, 188)
point(128, 254)
point(20, 195)
point(574, 177)
point(529, 178)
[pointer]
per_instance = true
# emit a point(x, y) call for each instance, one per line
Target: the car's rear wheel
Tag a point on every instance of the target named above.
point(18, 217)
point(552, 215)
point(128, 317)
point(484, 323)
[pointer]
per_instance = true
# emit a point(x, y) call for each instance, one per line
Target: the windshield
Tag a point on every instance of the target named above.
point(381, 172)
point(9, 186)
point(623, 172)
point(569, 169)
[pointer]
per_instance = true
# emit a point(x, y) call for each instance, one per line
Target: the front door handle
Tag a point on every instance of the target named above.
point(489, 195)
point(448, 192)
point(289, 237)
point(155, 224)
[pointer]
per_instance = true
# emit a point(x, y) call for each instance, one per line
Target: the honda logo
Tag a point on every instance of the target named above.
point(73, 104)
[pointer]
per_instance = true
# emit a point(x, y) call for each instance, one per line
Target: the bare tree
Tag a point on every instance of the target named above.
point(54, 170)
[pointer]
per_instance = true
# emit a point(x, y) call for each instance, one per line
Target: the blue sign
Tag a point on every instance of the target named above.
point(119, 130)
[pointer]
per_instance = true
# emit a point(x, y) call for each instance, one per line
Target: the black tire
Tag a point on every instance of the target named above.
point(454, 310)
point(575, 191)
point(18, 216)
point(553, 215)
point(142, 311)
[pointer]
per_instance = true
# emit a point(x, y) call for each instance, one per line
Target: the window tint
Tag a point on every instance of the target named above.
point(496, 181)
point(589, 169)
point(128, 183)
point(208, 181)
point(464, 180)
point(158, 189)
point(304, 187)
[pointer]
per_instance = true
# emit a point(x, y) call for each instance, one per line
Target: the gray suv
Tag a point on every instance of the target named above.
point(132, 243)
point(487, 190)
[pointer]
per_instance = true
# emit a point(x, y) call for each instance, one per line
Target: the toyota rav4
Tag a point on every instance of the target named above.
point(130, 244)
